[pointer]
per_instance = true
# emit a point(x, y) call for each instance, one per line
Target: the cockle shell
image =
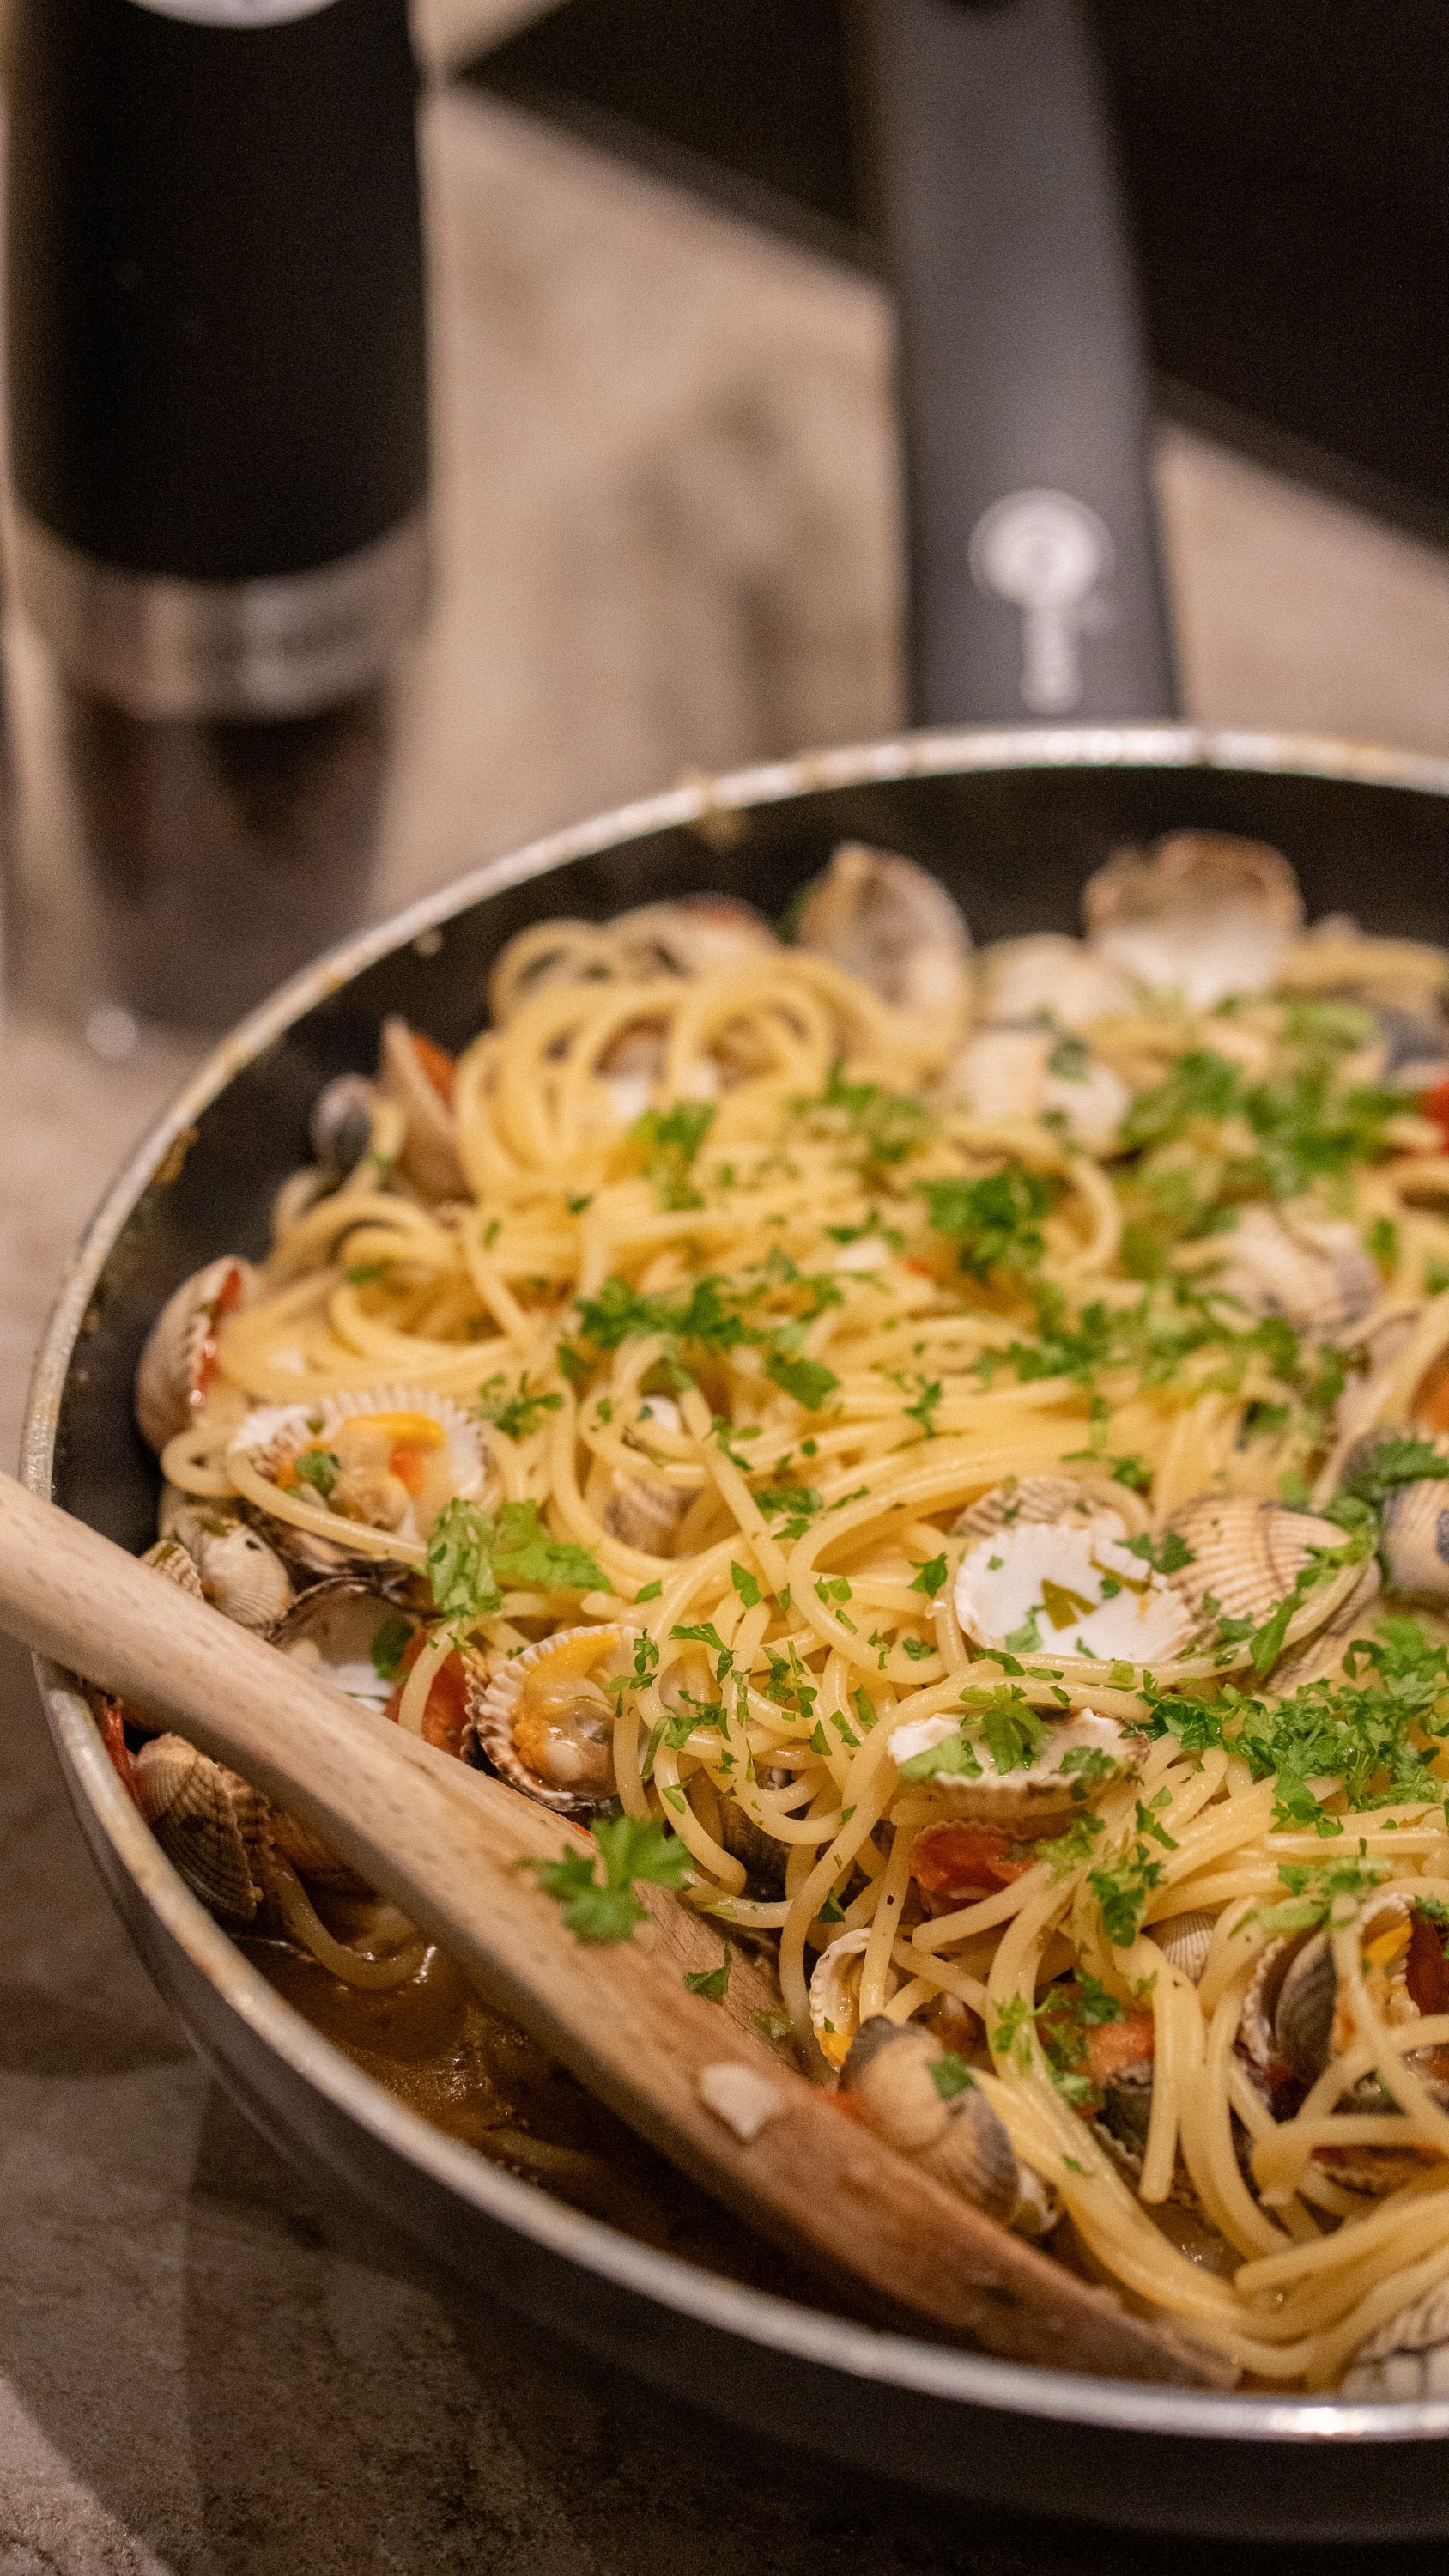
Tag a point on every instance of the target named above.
point(694, 934)
point(834, 1990)
point(546, 1724)
point(963, 2142)
point(1088, 1594)
point(1303, 2014)
point(1020, 1500)
point(169, 1557)
point(179, 1360)
point(1048, 976)
point(1203, 914)
point(890, 923)
point(429, 1156)
point(279, 1432)
point(1247, 1555)
point(210, 1825)
point(1414, 1537)
point(644, 1515)
point(242, 1577)
point(341, 1123)
point(1407, 2358)
point(1314, 1273)
point(1320, 1657)
point(1183, 1940)
point(1041, 1795)
point(1003, 1075)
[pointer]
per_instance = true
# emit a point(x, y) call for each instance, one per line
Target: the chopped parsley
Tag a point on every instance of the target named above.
point(667, 1141)
point(515, 1416)
point(632, 1849)
point(712, 1983)
point(474, 1555)
point(994, 1223)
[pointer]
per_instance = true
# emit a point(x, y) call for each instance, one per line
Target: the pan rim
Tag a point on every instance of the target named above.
point(811, 2336)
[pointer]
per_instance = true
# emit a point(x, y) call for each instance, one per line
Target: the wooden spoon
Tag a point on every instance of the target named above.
point(446, 1844)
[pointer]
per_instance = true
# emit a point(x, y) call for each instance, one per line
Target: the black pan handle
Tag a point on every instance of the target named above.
point(1036, 582)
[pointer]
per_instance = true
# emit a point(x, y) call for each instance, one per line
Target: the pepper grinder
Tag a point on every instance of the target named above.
point(219, 454)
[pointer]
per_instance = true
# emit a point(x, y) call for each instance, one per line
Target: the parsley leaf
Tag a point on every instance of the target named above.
point(473, 1554)
point(809, 1381)
point(516, 1416)
point(632, 1848)
point(712, 1983)
point(993, 1222)
point(668, 1141)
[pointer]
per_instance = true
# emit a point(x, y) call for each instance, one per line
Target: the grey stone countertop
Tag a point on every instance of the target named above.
point(667, 486)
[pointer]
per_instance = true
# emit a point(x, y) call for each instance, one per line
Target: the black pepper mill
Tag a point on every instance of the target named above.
point(218, 431)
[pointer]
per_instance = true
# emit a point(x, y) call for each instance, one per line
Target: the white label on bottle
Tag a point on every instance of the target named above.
point(235, 13)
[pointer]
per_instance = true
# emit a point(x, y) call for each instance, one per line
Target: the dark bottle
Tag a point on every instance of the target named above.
point(218, 431)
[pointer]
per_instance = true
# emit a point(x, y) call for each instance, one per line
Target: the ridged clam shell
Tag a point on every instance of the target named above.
point(170, 1379)
point(1025, 1498)
point(1408, 2357)
point(890, 923)
point(1414, 1536)
point(1315, 1274)
point(242, 1577)
point(1183, 1940)
point(429, 1157)
point(1201, 913)
point(1320, 1658)
point(764, 1858)
point(1127, 2108)
point(169, 1557)
point(963, 2142)
point(208, 1822)
point(498, 1703)
point(1246, 1555)
point(277, 1431)
point(834, 1985)
point(1255, 2024)
point(644, 1515)
point(1006, 1074)
point(1048, 975)
point(694, 934)
point(341, 1123)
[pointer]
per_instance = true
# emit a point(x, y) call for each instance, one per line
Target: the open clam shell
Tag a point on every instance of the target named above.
point(1313, 1272)
point(340, 1126)
point(959, 2138)
point(1079, 1757)
point(1006, 1074)
point(178, 1363)
point(1049, 976)
point(696, 934)
point(834, 1994)
point(1320, 1657)
point(410, 1070)
point(209, 1823)
point(1247, 1556)
point(1408, 2357)
point(381, 1463)
point(545, 1721)
point(1021, 1499)
point(1203, 914)
point(169, 1557)
point(1414, 1537)
point(893, 925)
point(348, 1633)
point(1069, 1587)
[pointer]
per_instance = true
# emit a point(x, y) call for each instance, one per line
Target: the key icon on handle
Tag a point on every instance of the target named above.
point(1048, 554)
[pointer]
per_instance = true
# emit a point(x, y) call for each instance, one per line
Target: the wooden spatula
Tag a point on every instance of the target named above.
point(446, 1844)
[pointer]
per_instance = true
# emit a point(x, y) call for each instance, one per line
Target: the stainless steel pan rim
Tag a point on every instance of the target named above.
point(810, 2336)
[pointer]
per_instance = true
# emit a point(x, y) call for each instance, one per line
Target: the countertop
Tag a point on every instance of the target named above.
point(667, 489)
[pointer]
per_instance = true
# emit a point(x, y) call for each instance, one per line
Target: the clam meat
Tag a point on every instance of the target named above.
point(1201, 914)
point(386, 1460)
point(178, 1366)
point(545, 1720)
point(835, 1994)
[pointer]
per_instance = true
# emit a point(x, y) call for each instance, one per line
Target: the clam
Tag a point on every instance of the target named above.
point(242, 1577)
point(1203, 914)
point(1022, 1499)
point(764, 1857)
point(1320, 1657)
point(887, 921)
point(1414, 1538)
point(209, 1823)
point(419, 1077)
point(1415, 1046)
point(178, 1364)
point(1076, 1758)
point(891, 2075)
point(1070, 1587)
point(1183, 1940)
point(643, 1511)
point(1051, 977)
point(340, 1126)
point(1313, 1272)
point(1127, 2108)
point(170, 1558)
point(1303, 2015)
point(1407, 2358)
point(1006, 1074)
point(546, 1722)
point(347, 1633)
point(696, 934)
point(1247, 1556)
point(384, 1459)
point(834, 1994)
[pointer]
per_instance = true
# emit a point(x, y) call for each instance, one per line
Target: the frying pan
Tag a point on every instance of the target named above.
point(1012, 822)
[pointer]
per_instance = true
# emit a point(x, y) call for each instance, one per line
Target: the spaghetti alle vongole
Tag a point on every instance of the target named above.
point(952, 1454)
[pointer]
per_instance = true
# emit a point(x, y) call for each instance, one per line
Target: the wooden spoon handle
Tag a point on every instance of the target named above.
point(450, 1847)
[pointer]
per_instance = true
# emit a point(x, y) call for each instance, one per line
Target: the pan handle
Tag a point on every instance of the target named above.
point(1036, 583)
